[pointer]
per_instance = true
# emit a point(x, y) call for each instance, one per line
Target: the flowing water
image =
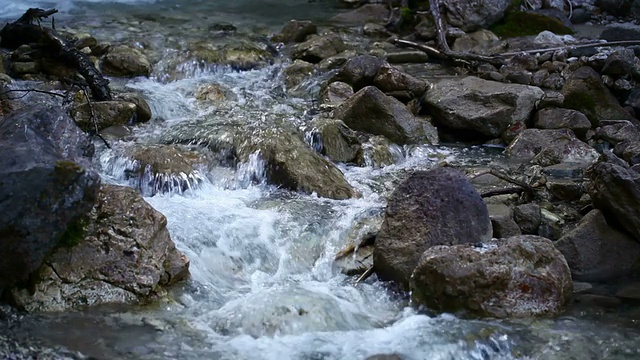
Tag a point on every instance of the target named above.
point(263, 284)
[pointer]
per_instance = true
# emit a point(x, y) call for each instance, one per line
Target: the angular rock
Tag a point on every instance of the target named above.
point(585, 92)
point(631, 153)
point(337, 141)
point(477, 42)
point(617, 132)
point(597, 252)
point(123, 254)
point(434, 207)
point(528, 217)
point(389, 79)
point(372, 111)
point(481, 106)
point(561, 144)
point(318, 48)
point(616, 192)
point(502, 221)
point(619, 63)
point(143, 110)
point(107, 113)
point(359, 71)
point(556, 118)
point(522, 276)
point(46, 186)
point(295, 31)
point(470, 15)
point(296, 73)
point(126, 62)
point(620, 32)
point(336, 93)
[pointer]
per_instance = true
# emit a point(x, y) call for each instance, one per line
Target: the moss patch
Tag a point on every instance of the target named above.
point(521, 23)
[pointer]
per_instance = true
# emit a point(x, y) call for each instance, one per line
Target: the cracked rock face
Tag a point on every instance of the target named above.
point(124, 254)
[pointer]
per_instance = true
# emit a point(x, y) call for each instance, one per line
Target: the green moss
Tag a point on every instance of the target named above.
point(73, 234)
point(521, 23)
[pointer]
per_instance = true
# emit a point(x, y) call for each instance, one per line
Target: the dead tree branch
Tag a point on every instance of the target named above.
point(441, 31)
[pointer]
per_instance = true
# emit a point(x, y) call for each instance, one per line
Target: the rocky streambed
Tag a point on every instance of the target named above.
point(312, 190)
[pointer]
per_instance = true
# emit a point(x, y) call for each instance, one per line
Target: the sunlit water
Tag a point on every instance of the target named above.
point(263, 284)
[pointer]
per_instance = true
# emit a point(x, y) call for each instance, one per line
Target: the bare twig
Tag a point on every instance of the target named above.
point(365, 276)
point(93, 118)
point(31, 90)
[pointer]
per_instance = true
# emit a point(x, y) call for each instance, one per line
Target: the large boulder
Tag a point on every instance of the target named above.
point(121, 254)
point(616, 191)
point(290, 163)
point(521, 276)
point(46, 186)
point(434, 207)
point(470, 15)
point(372, 111)
point(481, 106)
point(597, 252)
point(584, 91)
point(550, 147)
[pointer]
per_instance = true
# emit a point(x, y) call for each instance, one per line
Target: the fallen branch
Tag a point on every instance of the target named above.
point(93, 119)
point(450, 56)
point(506, 191)
point(572, 47)
point(365, 275)
point(31, 90)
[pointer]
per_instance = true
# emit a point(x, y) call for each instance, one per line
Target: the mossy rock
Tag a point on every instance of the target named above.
point(522, 23)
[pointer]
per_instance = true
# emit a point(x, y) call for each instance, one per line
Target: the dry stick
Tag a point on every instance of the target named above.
point(525, 187)
point(31, 90)
point(506, 191)
point(93, 117)
point(365, 276)
point(571, 47)
point(441, 31)
point(450, 55)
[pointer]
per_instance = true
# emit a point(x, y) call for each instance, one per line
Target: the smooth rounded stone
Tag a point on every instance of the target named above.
point(291, 164)
point(470, 15)
point(482, 106)
point(46, 186)
point(521, 276)
point(318, 48)
point(631, 292)
point(122, 254)
point(143, 110)
point(585, 92)
point(561, 144)
point(372, 111)
point(402, 57)
point(477, 42)
point(597, 252)
point(616, 192)
point(580, 16)
point(295, 31)
point(429, 208)
point(558, 118)
point(565, 189)
point(619, 63)
point(107, 113)
point(378, 152)
point(389, 79)
point(528, 217)
point(335, 140)
point(126, 62)
point(359, 71)
point(502, 221)
point(336, 93)
point(367, 13)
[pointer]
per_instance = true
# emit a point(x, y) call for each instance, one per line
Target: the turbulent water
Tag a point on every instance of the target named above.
point(263, 285)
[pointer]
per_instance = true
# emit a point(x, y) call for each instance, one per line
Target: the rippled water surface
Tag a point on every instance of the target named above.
point(263, 285)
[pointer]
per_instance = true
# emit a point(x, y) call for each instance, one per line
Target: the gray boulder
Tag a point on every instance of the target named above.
point(336, 141)
point(123, 254)
point(522, 276)
point(528, 217)
point(550, 147)
point(46, 185)
point(502, 221)
point(557, 118)
point(482, 106)
point(616, 192)
point(470, 15)
point(318, 48)
point(359, 71)
point(617, 132)
point(126, 62)
point(372, 111)
point(390, 80)
point(434, 207)
point(597, 252)
point(295, 31)
point(619, 63)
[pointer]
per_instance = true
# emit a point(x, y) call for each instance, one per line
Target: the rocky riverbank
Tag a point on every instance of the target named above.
point(555, 223)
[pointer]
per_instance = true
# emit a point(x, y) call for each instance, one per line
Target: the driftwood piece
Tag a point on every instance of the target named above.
point(24, 31)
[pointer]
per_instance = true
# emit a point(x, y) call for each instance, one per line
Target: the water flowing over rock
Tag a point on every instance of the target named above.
point(337, 141)
point(585, 92)
point(124, 254)
point(616, 192)
point(597, 252)
point(480, 106)
point(372, 111)
point(521, 276)
point(434, 207)
point(46, 185)
point(471, 15)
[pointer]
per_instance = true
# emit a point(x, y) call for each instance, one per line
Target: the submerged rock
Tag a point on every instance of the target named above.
point(481, 106)
point(122, 254)
point(521, 276)
point(434, 207)
point(46, 186)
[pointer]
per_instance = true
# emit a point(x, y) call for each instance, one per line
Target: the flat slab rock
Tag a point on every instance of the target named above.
point(521, 276)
